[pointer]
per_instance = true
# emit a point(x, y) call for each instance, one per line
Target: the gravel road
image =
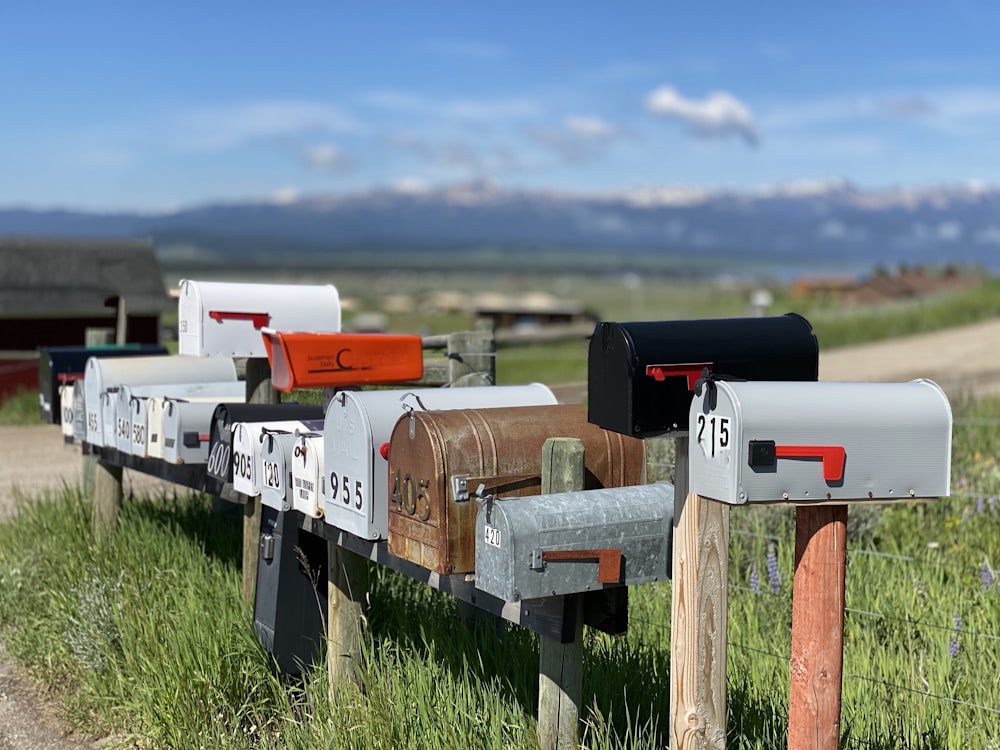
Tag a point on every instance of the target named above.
point(964, 361)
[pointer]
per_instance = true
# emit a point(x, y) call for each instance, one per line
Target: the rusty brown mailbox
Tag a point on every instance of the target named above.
point(641, 376)
point(438, 460)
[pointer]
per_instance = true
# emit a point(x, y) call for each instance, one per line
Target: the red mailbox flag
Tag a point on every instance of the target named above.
point(326, 360)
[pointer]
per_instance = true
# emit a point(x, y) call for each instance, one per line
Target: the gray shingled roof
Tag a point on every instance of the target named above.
point(56, 276)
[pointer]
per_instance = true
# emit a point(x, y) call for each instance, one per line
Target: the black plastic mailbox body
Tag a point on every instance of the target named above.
point(641, 375)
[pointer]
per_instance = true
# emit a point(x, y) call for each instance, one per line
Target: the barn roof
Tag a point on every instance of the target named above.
point(42, 277)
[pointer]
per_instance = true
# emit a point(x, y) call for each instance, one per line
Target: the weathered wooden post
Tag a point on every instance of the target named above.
point(817, 658)
point(259, 391)
point(107, 497)
point(560, 665)
point(698, 619)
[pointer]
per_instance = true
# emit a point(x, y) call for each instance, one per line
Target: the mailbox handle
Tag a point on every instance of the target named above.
point(832, 456)
point(690, 370)
point(259, 320)
point(609, 561)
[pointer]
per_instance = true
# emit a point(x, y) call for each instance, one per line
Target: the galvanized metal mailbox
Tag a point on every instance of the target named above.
point(222, 319)
point(249, 475)
point(277, 441)
point(60, 364)
point(226, 416)
point(327, 360)
point(102, 375)
point(768, 442)
point(641, 375)
point(571, 542)
point(151, 409)
point(438, 460)
point(185, 431)
point(307, 475)
point(356, 444)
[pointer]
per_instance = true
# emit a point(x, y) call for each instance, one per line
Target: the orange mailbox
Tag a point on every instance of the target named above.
point(324, 360)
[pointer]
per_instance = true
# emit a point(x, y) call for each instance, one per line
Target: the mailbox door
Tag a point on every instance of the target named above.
point(154, 427)
point(433, 474)
point(226, 416)
point(246, 456)
point(359, 423)
point(626, 396)
point(307, 475)
point(139, 407)
point(275, 468)
point(109, 424)
point(66, 391)
point(221, 319)
point(79, 411)
point(123, 420)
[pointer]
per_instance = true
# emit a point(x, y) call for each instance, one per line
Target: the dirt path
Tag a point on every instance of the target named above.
point(34, 460)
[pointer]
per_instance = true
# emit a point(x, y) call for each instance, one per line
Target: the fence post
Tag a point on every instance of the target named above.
point(698, 616)
point(471, 358)
point(817, 659)
point(107, 497)
point(259, 391)
point(560, 665)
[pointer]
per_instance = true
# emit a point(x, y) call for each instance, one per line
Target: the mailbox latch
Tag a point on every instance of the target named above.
point(460, 488)
point(267, 547)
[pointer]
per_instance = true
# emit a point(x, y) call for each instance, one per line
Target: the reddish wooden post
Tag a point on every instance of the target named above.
point(817, 660)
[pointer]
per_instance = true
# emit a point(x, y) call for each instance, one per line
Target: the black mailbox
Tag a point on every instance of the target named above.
point(641, 375)
point(62, 364)
point(220, 446)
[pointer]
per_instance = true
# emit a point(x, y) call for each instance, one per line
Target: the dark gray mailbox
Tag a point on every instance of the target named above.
point(220, 439)
point(641, 376)
point(290, 601)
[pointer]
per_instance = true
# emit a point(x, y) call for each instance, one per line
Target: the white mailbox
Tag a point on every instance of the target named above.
point(356, 443)
point(801, 442)
point(248, 449)
point(185, 431)
point(307, 475)
point(66, 394)
point(225, 319)
point(102, 374)
point(571, 542)
point(79, 411)
point(223, 392)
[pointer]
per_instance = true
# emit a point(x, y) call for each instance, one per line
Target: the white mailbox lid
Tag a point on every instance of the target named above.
point(896, 439)
point(307, 475)
point(247, 450)
point(224, 319)
point(359, 422)
point(102, 374)
point(185, 430)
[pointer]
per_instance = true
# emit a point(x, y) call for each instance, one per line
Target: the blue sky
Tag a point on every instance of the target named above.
point(156, 106)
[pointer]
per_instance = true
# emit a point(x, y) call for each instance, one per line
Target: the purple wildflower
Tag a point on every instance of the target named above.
point(953, 644)
point(986, 576)
point(773, 575)
point(980, 505)
point(963, 484)
point(755, 579)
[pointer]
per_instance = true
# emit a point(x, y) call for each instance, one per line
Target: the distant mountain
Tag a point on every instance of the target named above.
point(831, 225)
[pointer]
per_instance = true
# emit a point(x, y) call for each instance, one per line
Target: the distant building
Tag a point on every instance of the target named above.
point(536, 310)
point(52, 290)
point(883, 285)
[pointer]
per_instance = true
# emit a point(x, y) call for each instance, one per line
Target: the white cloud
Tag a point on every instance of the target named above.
point(588, 126)
point(220, 128)
point(326, 156)
point(719, 113)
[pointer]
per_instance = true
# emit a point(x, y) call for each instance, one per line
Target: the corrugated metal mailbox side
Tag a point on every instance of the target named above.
point(437, 460)
point(820, 442)
point(222, 319)
point(641, 375)
point(547, 545)
point(358, 425)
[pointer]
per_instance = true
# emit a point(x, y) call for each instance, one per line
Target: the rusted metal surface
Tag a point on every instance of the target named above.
point(432, 454)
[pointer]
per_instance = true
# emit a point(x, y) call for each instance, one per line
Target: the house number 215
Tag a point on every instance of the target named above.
point(717, 438)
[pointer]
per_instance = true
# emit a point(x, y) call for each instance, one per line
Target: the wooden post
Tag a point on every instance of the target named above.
point(107, 498)
point(817, 659)
point(560, 665)
point(472, 358)
point(698, 616)
point(259, 391)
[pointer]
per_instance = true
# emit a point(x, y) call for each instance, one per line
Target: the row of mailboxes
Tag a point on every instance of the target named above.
point(61, 365)
point(770, 442)
point(440, 461)
point(104, 377)
point(223, 319)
